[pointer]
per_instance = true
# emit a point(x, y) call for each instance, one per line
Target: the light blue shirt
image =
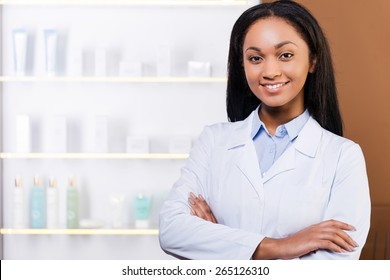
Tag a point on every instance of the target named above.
point(269, 148)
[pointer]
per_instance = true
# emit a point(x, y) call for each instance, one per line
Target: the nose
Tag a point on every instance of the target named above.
point(271, 69)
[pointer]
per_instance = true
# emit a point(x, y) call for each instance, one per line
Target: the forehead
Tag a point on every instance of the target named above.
point(272, 30)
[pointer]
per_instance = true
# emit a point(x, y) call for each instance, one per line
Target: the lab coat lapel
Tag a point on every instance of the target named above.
point(284, 163)
point(249, 166)
point(245, 156)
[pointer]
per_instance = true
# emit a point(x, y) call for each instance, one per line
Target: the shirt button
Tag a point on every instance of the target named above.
point(271, 150)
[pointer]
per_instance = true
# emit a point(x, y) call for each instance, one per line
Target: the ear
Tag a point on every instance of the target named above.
point(313, 65)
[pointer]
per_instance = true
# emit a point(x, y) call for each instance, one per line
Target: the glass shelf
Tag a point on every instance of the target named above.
point(129, 2)
point(91, 156)
point(45, 231)
point(115, 79)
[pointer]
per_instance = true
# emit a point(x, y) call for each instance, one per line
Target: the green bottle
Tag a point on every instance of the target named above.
point(72, 205)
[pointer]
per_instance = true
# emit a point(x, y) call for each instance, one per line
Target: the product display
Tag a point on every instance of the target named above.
point(38, 204)
point(199, 69)
point(51, 47)
point(90, 223)
point(19, 218)
point(137, 144)
point(52, 205)
point(141, 206)
point(20, 40)
point(72, 207)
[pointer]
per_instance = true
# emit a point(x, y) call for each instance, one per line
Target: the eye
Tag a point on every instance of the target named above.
point(255, 58)
point(286, 56)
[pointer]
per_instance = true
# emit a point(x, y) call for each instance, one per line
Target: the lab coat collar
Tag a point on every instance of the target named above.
point(306, 143)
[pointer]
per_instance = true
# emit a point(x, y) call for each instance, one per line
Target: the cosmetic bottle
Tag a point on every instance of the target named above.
point(38, 216)
point(20, 39)
point(72, 209)
point(51, 45)
point(141, 204)
point(52, 204)
point(19, 220)
point(117, 203)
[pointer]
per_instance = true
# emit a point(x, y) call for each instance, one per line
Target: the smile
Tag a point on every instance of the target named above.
point(274, 86)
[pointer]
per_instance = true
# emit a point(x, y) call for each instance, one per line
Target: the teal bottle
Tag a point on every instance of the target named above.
point(38, 204)
point(72, 203)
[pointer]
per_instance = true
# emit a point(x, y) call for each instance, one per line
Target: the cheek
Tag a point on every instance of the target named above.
point(251, 74)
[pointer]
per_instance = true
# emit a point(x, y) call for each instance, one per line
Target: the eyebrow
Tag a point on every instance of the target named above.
point(277, 46)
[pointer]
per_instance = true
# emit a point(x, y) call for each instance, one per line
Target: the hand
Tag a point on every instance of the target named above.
point(327, 235)
point(200, 208)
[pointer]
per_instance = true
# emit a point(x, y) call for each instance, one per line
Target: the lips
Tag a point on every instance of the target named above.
point(274, 85)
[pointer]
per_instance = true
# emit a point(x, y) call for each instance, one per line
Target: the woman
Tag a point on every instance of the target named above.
point(278, 181)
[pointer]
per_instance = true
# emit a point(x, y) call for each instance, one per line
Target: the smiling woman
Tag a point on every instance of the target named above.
point(279, 181)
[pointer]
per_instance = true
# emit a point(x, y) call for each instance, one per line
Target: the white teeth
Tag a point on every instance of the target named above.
point(274, 86)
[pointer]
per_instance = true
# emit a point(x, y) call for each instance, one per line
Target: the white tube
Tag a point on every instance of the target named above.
point(51, 38)
point(20, 51)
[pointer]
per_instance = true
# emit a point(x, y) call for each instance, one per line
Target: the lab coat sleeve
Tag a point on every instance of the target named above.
point(186, 236)
point(349, 201)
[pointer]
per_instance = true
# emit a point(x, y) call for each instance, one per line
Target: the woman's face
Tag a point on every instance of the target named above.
point(276, 63)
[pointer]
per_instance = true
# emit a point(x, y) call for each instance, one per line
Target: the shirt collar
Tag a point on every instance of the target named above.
point(292, 128)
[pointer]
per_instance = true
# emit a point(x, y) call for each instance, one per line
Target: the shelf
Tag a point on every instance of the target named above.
point(115, 79)
point(90, 156)
point(44, 231)
point(128, 2)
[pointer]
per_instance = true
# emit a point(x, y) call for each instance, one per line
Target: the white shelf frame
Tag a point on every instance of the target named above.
point(165, 156)
point(25, 79)
point(78, 231)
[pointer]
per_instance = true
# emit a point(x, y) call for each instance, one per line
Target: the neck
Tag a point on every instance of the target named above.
point(272, 117)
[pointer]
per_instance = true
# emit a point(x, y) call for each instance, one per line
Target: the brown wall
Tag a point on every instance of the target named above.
point(359, 35)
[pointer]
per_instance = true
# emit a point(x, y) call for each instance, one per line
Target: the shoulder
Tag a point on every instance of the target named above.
point(339, 146)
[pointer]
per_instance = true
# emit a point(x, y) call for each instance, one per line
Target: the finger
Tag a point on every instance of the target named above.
point(338, 237)
point(329, 245)
point(338, 224)
point(200, 208)
point(338, 227)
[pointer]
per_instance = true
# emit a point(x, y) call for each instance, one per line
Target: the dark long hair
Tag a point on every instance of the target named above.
point(320, 93)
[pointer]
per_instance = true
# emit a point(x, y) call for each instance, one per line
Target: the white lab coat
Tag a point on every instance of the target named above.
point(320, 176)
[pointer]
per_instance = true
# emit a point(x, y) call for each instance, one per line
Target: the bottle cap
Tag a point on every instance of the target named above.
point(72, 181)
point(37, 180)
point(18, 181)
point(52, 182)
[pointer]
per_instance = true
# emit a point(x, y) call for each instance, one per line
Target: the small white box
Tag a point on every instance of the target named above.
point(199, 69)
point(130, 69)
point(56, 135)
point(180, 144)
point(100, 62)
point(23, 134)
point(137, 144)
